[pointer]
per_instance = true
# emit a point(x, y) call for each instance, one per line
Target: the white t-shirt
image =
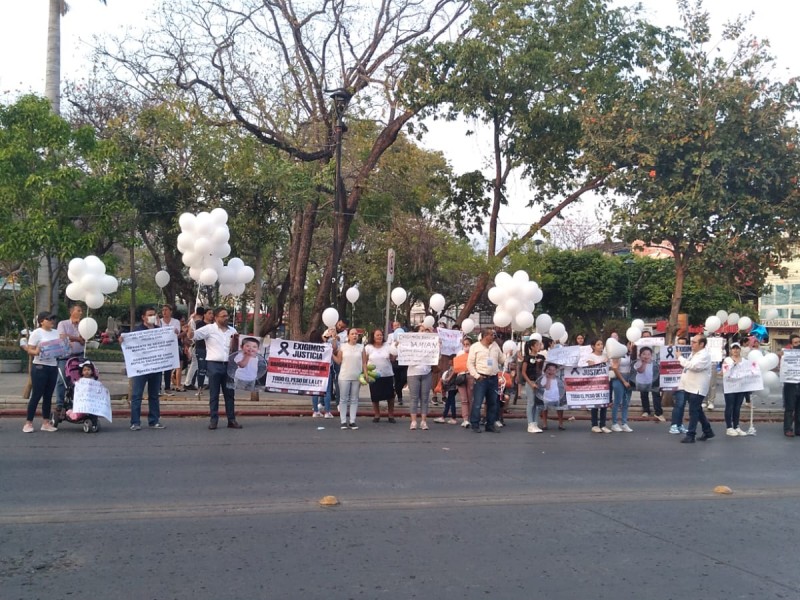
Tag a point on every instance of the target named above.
point(381, 358)
point(352, 365)
point(37, 337)
point(646, 376)
point(173, 324)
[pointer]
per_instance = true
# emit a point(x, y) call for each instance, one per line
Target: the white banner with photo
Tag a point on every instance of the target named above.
point(297, 367)
point(587, 387)
point(150, 351)
point(790, 366)
point(670, 369)
point(418, 349)
point(91, 397)
point(451, 341)
point(567, 356)
point(744, 376)
point(54, 349)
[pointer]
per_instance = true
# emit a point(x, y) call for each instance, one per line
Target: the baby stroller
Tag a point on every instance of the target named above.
point(72, 373)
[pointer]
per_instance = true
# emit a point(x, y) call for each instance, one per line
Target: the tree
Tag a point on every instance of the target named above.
point(706, 151)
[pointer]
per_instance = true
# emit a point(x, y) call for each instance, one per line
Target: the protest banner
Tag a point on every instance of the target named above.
point(670, 369)
point(150, 351)
point(451, 341)
point(714, 345)
point(247, 365)
point(744, 376)
point(790, 366)
point(418, 349)
point(566, 356)
point(90, 397)
point(298, 367)
point(650, 342)
point(587, 387)
point(54, 349)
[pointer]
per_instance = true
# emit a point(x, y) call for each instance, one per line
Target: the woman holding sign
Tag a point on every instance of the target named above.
point(353, 362)
point(44, 372)
point(733, 400)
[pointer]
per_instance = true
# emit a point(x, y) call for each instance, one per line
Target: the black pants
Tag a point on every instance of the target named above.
point(43, 383)
point(791, 407)
point(400, 380)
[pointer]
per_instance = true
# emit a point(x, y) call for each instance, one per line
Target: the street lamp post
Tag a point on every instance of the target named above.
point(341, 98)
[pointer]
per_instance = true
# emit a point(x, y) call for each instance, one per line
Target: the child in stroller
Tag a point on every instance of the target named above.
point(76, 368)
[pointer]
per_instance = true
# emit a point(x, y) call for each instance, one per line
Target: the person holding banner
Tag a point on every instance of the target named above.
point(44, 372)
point(676, 426)
point(532, 368)
point(647, 382)
point(695, 381)
point(419, 388)
point(599, 415)
point(218, 348)
point(151, 380)
point(733, 400)
point(791, 394)
point(381, 355)
point(352, 362)
point(400, 371)
point(484, 362)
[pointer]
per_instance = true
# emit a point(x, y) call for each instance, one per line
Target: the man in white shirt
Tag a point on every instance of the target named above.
point(218, 348)
point(484, 362)
point(695, 381)
point(174, 324)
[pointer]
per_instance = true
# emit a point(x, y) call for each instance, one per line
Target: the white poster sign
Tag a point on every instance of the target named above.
point(587, 387)
point(418, 349)
point(670, 369)
point(566, 356)
point(451, 341)
point(714, 345)
point(150, 351)
point(298, 367)
point(91, 397)
point(744, 376)
point(790, 366)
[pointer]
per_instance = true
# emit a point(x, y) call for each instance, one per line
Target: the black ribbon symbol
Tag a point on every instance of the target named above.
point(284, 348)
point(575, 371)
point(671, 352)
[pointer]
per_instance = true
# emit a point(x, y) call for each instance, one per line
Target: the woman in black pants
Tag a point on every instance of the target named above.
point(44, 372)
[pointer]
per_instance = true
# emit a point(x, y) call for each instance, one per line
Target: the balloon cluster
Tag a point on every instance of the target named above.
point(203, 242)
point(714, 322)
point(634, 332)
point(89, 281)
point(515, 297)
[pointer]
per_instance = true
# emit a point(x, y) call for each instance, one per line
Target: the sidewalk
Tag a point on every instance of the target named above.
point(187, 404)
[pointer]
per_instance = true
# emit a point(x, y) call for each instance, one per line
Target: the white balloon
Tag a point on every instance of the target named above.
point(772, 313)
point(187, 221)
point(529, 290)
point(755, 355)
point(512, 288)
point(214, 263)
point(208, 277)
point(94, 299)
point(204, 225)
point(557, 330)
point(437, 302)
point(733, 318)
point(564, 338)
point(330, 316)
point(75, 291)
point(222, 251)
point(108, 284)
point(237, 289)
point(184, 242)
point(615, 349)
point(352, 295)
point(194, 273)
point(236, 263)
point(429, 321)
point(634, 334)
point(467, 325)
point(162, 279)
point(245, 275)
point(399, 296)
point(512, 306)
point(502, 279)
point(225, 289)
point(87, 327)
point(713, 323)
point(523, 320)
point(638, 323)
point(520, 277)
point(769, 362)
point(537, 296)
point(543, 323)
point(203, 246)
point(219, 216)
point(90, 283)
point(190, 259)
point(509, 346)
point(227, 275)
point(94, 265)
point(77, 266)
point(497, 295)
point(745, 323)
point(771, 380)
point(501, 318)
point(722, 315)
point(221, 235)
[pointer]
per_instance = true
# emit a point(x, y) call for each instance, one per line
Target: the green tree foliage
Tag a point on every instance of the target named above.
point(707, 153)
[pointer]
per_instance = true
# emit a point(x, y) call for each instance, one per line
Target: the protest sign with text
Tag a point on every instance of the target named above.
point(566, 356)
point(670, 369)
point(91, 397)
point(297, 367)
point(744, 376)
point(150, 351)
point(451, 341)
point(54, 349)
point(418, 349)
point(587, 387)
point(790, 366)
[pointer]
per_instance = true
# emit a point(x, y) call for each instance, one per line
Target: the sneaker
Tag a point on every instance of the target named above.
point(439, 420)
point(675, 430)
point(353, 426)
point(413, 425)
point(344, 426)
point(498, 424)
point(316, 414)
point(167, 393)
point(683, 429)
point(706, 436)
point(688, 440)
point(731, 432)
point(157, 426)
point(328, 415)
point(136, 427)
point(605, 430)
point(27, 428)
point(452, 422)
point(627, 429)
point(424, 426)
point(710, 406)
point(533, 428)
point(645, 415)
point(321, 408)
point(596, 429)
point(46, 426)
point(739, 431)
point(661, 418)
point(616, 428)
point(465, 424)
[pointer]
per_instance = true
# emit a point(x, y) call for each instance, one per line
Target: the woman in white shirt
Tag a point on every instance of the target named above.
point(44, 372)
point(621, 390)
point(381, 355)
point(352, 362)
point(598, 356)
point(419, 388)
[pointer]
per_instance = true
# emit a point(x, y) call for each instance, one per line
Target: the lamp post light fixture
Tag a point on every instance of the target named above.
point(341, 98)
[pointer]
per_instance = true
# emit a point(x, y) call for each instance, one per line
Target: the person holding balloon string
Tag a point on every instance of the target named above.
point(379, 356)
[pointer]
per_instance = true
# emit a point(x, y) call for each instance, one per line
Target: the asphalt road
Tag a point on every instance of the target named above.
point(190, 513)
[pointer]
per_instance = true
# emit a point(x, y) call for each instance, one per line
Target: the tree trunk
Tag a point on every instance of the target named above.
point(52, 85)
point(302, 237)
point(497, 189)
point(677, 293)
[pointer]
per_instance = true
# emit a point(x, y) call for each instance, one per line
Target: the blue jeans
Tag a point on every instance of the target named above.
point(153, 383)
point(678, 407)
point(532, 409)
point(217, 378)
point(791, 407)
point(348, 399)
point(450, 404)
point(324, 400)
point(485, 388)
point(43, 382)
point(696, 415)
point(622, 400)
point(733, 408)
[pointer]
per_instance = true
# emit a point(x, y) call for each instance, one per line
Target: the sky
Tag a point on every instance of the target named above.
point(23, 42)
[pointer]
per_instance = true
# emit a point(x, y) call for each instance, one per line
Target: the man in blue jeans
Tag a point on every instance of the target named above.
point(151, 380)
point(695, 381)
point(484, 362)
point(678, 401)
